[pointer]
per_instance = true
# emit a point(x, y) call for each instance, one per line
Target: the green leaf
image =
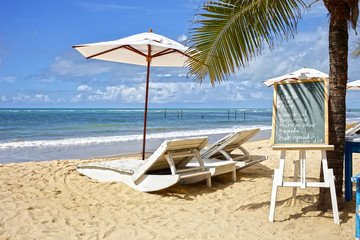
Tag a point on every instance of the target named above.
point(227, 34)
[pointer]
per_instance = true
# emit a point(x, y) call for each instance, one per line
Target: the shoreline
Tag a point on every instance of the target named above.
point(97, 150)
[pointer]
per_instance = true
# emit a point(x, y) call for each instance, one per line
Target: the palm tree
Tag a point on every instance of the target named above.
point(230, 33)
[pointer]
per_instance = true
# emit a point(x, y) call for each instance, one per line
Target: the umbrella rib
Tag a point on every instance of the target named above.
point(107, 51)
point(169, 50)
point(164, 52)
point(128, 47)
point(188, 56)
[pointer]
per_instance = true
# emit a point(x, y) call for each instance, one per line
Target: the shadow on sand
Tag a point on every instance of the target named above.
point(221, 182)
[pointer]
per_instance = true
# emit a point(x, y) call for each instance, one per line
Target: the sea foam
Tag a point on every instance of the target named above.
point(114, 139)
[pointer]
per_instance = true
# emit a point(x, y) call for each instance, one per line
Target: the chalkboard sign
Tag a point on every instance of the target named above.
point(300, 113)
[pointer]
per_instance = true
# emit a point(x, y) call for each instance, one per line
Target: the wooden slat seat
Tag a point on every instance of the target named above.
point(150, 175)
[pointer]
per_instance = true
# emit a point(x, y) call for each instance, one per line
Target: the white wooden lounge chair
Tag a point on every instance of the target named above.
point(352, 129)
point(224, 149)
point(164, 168)
point(217, 167)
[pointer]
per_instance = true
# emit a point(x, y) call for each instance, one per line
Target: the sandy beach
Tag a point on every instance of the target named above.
point(51, 200)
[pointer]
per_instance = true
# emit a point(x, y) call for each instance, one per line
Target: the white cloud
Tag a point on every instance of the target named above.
point(42, 98)
point(47, 79)
point(132, 94)
point(110, 93)
point(172, 92)
point(35, 99)
point(77, 98)
point(96, 7)
point(21, 98)
point(84, 88)
point(251, 84)
point(257, 95)
point(7, 79)
point(4, 98)
point(182, 38)
point(126, 83)
point(308, 49)
point(67, 67)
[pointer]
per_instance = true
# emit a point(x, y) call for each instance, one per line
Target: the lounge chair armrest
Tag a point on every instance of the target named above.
point(226, 155)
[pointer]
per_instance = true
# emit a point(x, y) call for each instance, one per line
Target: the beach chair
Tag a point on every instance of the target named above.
point(164, 168)
point(352, 129)
point(224, 149)
point(217, 167)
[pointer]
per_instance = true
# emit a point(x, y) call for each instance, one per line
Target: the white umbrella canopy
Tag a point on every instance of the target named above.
point(140, 49)
point(301, 74)
point(135, 49)
point(354, 85)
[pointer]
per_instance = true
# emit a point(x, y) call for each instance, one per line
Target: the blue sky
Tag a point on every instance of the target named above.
point(39, 67)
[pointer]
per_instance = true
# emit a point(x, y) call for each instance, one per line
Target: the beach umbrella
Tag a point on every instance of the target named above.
point(146, 49)
point(354, 85)
point(301, 74)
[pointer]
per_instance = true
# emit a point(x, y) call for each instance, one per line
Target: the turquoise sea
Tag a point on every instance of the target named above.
point(51, 124)
point(49, 134)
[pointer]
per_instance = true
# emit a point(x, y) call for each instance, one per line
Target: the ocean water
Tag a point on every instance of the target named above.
point(27, 125)
point(49, 134)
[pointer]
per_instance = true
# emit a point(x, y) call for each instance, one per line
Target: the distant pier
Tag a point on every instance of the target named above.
point(235, 114)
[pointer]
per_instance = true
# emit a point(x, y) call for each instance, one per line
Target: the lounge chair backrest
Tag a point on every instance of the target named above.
point(352, 128)
point(158, 159)
point(230, 142)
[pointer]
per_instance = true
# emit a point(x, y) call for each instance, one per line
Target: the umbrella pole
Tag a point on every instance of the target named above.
point(146, 105)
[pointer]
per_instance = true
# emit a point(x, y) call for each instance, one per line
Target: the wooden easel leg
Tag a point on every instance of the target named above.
point(281, 168)
point(273, 196)
point(329, 179)
point(296, 174)
point(277, 181)
point(303, 169)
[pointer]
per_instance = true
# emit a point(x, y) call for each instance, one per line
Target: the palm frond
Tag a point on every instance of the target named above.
point(227, 34)
point(356, 52)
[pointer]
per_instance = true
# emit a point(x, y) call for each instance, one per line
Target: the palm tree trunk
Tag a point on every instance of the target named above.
point(338, 54)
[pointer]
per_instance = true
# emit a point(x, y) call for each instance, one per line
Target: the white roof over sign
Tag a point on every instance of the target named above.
point(354, 85)
point(301, 74)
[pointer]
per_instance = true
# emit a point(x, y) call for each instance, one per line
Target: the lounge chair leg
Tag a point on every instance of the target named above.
point(234, 175)
point(208, 182)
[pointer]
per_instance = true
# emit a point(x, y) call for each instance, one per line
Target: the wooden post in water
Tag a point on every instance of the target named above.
point(165, 113)
point(228, 114)
point(244, 115)
point(235, 114)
